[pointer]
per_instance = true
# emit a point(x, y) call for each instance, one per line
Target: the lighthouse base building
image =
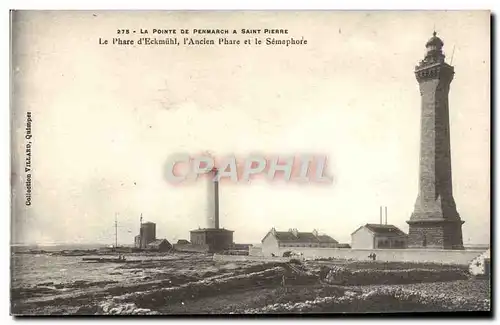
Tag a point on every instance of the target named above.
point(215, 240)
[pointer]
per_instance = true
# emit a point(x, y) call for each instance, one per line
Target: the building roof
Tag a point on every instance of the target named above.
point(183, 241)
point(434, 40)
point(302, 237)
point(326, 239)
point(157, 243)
point(383, 230)
point(212, 230)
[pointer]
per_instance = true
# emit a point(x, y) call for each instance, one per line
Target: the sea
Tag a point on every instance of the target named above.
point(49, 270)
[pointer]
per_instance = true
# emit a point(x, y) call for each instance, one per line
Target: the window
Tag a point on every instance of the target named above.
point(399, 243)
point(383, 243)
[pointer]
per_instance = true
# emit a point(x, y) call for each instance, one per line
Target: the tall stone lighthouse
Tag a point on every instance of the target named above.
point(435, 222)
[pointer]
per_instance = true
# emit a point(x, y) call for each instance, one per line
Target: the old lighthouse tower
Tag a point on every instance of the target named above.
point(435, 222)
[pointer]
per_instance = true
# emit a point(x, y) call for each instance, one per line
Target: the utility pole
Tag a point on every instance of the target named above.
point(452, 54)
point(116, 232)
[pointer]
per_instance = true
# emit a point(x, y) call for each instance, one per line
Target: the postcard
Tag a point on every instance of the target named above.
point(250, 162)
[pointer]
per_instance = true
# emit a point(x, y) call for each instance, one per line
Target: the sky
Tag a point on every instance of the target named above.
point(106, 118)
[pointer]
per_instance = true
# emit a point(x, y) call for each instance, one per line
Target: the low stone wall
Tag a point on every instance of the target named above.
point(458, 257)
point(246, 258)
point(255, 251)
point(191, 248)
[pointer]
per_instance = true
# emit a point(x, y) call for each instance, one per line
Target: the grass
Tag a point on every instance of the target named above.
point(199, 285)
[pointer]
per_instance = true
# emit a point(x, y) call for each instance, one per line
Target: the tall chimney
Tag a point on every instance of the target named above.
point(380, 214)
point(216, 198)
point(212, 199)
point(386, 215)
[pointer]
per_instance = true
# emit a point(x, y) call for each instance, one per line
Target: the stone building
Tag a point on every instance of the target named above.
point(378, 236)
point(214, 239)
point(147, 234)
point(435, 222)
point(275, 241)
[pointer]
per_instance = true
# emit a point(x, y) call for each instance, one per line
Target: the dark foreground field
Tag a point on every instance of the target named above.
point(197, 284)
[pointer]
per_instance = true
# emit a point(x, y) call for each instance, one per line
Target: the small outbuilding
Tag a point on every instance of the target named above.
point(378, 236)
point(160, 245)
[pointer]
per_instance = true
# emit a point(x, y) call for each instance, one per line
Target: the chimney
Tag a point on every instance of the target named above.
point(380, 214)
point(315, 232)
point(213, 199)
point(386, 215)
point(294, 231)
point(273, 231)
point(216, 198)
